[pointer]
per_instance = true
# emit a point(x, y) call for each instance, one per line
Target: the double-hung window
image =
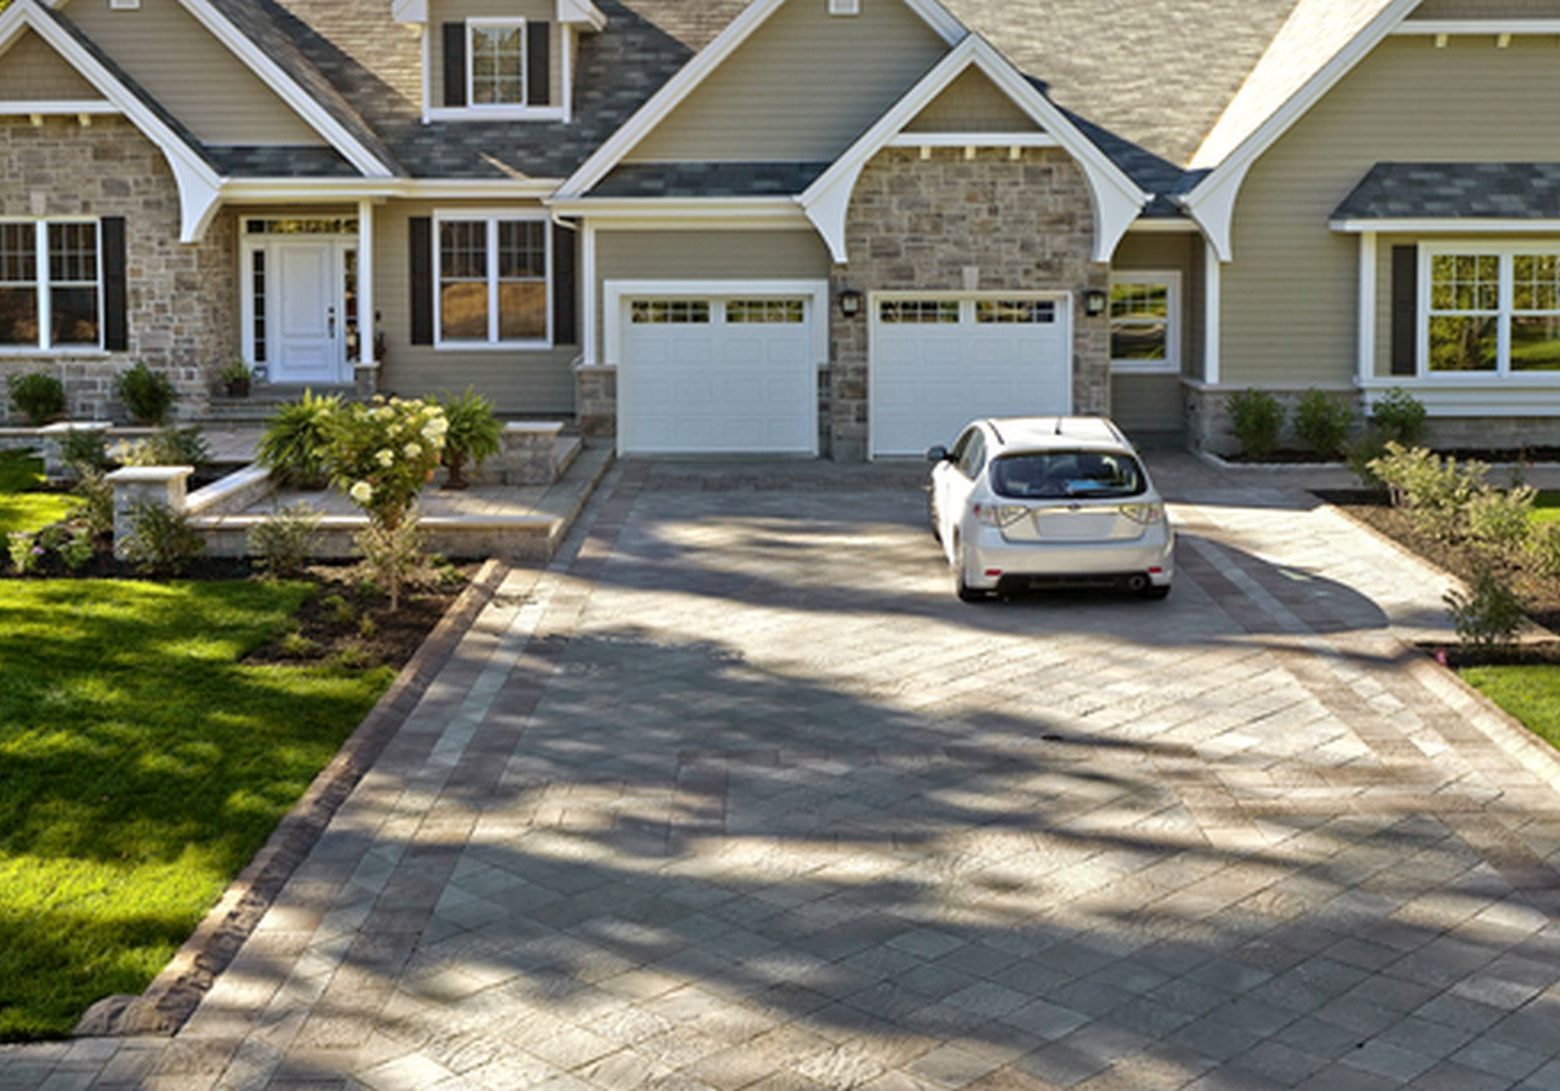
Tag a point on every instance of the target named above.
point(1144, 327)
point(495, 62)
point(493, 274)
point(1490, 309)
point(51, 285)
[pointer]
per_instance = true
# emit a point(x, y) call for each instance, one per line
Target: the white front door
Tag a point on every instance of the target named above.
point(939, 362)
point(306, 313)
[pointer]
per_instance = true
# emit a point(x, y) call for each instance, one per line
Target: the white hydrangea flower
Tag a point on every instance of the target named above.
point(386, 458)
point(362, 492)
point(412, 450)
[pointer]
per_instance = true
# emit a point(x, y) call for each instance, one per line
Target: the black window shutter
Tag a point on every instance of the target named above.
point(116, 297)
point(566, 287)
point(1405, 310)
point(422, 280)
point(455, 64)
point(538, 64)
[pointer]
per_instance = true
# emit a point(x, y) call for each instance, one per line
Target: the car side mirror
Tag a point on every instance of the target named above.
point(937, 454)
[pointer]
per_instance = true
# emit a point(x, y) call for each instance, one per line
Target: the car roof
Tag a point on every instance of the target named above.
point(1057, 433)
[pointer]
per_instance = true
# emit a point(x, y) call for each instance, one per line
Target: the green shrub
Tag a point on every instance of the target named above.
point(1258, 420)
point(148, 395)
point(162, 542)
point(38, 396)
point(283, 543)
point(1500, 520)
point(1543, 549)
point(1487, 615)
point(1362, 454)
point(85, 452)
point(96, 511)
point(295, 439)
point(24, 551)
point(475, 433)
point(235, 379)
point(1434, 492)
point(168, 447)
point(1401, 417)
point(78, 550)
point(1323, 423)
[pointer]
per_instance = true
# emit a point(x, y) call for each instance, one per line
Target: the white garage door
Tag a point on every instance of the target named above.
point(938, 364)
point(718, 375)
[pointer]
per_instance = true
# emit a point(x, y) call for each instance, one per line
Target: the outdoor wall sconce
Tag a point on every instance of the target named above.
point(850, 303)
point(1094, 303)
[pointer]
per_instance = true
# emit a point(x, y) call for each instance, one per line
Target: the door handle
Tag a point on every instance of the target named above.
point(330, 321)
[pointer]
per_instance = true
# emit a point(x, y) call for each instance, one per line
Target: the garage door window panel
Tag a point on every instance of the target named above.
point(921, 312)
point(1015, 312)
point(494, 286)
point(670, 312)
point(766, 312)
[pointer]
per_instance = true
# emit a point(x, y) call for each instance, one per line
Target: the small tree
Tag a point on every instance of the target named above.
point(381, 455)
point(1488, 614)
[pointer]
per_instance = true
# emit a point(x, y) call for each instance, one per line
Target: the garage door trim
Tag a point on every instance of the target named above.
point(967, 302)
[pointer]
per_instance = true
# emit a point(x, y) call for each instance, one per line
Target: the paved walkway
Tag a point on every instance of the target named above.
point(736, 795)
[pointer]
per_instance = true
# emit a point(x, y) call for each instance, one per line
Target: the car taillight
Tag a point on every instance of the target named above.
point(1000, 515)
point(1144, 514)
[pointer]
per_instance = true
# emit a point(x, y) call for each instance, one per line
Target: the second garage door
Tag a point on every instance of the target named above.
point(939, 363)
point(715, 375)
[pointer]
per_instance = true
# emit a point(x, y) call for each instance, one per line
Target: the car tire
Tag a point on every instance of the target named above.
point(965, 592)
point(1155, 593)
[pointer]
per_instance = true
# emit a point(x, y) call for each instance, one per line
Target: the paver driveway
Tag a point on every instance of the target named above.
point(737, 795)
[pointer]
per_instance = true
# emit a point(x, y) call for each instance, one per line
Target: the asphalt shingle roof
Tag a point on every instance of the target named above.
point(280, 161)
point(1513, 191)
point(708, 179)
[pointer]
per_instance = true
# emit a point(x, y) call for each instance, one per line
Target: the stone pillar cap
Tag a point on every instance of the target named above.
point(149, 475)
point(65, 427)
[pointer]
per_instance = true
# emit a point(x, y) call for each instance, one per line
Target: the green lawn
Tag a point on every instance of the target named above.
point(1531, 694)
point(141, 766)
point(22, 510)
point(1547, 509)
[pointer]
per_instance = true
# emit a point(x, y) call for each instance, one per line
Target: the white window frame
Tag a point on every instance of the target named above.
point(563, 58)
point(492, 219)
point(1171, 279)
point(1506, 251)
point(42, 283)
point(489, 23)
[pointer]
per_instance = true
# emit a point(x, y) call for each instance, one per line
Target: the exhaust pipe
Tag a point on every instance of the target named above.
point(1137, 583)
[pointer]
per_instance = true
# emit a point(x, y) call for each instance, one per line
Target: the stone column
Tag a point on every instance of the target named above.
point(138, 485)
point(55, 436)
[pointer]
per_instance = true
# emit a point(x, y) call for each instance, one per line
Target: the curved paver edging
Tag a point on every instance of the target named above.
point(173, 997)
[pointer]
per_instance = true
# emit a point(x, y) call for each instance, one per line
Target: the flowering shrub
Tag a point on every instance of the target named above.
point(381, 455)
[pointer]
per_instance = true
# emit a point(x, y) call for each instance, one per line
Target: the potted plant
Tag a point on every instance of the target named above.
point(475, 434)
point(236, 379)
point(148, 395)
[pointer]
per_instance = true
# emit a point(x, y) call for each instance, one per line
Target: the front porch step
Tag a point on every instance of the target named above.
point(263, 401)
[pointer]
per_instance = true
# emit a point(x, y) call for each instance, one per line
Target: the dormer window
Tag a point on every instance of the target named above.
point(495, 62)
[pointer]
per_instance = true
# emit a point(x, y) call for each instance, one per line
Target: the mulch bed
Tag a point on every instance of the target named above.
point(1540, 596)
point(1289, 456)
point(1542, 654)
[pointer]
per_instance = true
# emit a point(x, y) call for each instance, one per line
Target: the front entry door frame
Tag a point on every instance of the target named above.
point(263, 264)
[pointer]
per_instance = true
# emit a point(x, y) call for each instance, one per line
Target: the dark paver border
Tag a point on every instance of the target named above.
point(176, 992)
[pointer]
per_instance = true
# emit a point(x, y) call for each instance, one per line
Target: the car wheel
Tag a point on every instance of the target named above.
point(1155, 594)
point(965, 592)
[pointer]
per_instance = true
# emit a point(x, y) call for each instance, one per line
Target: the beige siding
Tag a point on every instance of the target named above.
point(1144, 404)
point(449, 11)
point(536, 381)
point(802, 88)
point(31, 71)
point(190, 72)
point(972, 104)
point(708, 255)
point(1289, 297)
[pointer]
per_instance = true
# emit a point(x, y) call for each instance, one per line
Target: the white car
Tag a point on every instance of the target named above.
point(1049, 501)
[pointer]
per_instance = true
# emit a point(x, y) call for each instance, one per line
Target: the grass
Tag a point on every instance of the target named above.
point(1530, 693)
point(1547, 508)
point(141, 766)
point(20, 508)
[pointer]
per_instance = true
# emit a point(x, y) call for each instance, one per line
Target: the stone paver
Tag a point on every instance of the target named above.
point(736, 795)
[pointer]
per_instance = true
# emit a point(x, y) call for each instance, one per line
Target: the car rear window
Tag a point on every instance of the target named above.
point(1060, 475)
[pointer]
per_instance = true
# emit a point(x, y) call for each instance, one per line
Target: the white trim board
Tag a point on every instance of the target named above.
point(1118, 201)
point(1212, 201)
point(1462, 226)
point(197, 181)
point(614, 292)
point(696, 71)
point(1175, 320)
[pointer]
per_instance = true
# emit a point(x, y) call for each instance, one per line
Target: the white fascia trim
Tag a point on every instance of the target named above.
point(581, 11)
point(271, 190)
point(1489, 28)
point(198, 183)
point(57, 107)
point(1117, 200)
point(1212, 201)
point(495, 113)
point(409, 11)
point(614, 292)
point(304, 104)
point(974, 140)
point(692, 74)
point(1463, 226)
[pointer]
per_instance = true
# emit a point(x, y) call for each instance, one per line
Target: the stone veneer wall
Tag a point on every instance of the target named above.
point(182, 298)
point(920, 224)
